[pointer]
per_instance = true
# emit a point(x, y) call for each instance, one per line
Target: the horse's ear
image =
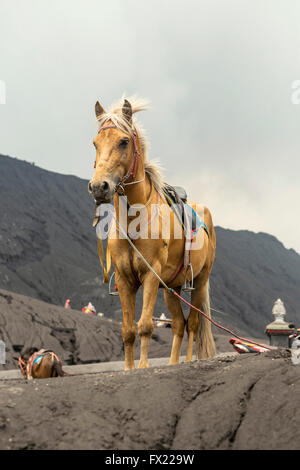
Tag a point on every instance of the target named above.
point(98, 109)
point(127, 111)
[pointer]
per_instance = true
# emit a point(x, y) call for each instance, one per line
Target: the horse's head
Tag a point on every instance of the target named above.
point(116, 148)
point(24, 358)
point(27, 353)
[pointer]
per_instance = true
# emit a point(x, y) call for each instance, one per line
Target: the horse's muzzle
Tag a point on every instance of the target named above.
point(101, 191)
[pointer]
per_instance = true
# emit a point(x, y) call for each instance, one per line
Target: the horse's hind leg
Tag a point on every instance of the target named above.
point(198, 327)
point(178, 322)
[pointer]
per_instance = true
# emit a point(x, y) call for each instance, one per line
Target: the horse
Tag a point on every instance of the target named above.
point(122, 168)
point(40, 364)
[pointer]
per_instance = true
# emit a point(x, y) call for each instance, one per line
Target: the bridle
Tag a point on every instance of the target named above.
point(120, 188)
point(26, 366)
point(22, 365)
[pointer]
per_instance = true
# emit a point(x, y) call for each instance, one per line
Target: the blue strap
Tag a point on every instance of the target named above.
point(199, 223)
point(38, 359)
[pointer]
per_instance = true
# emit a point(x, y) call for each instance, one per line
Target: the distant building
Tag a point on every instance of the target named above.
point(279, 330)
point(2, 352)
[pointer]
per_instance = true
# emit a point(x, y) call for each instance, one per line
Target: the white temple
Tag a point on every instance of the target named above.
point(279, 311)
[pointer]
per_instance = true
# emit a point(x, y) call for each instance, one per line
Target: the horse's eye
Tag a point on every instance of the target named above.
point(124, 142)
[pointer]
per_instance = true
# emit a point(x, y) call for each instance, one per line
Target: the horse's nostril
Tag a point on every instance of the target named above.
point(98, 189)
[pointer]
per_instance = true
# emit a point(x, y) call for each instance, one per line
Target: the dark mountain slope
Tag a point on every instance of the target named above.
point(48, 251)
point(47, 244)
point(251, 271)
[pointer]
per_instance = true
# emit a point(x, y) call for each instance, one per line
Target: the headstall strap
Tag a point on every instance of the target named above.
point(22, 365)
point(132, 171)
point(120, 189)
point(136, 152)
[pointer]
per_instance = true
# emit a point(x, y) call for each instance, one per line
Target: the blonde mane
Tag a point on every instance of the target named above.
point(152, 168)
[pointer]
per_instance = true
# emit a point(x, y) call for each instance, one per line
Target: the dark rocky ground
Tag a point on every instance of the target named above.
point(230, 402)
point(242, 402)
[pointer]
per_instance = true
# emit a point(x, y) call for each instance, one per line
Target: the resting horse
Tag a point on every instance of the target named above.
point(122, 168)
point(40, 364)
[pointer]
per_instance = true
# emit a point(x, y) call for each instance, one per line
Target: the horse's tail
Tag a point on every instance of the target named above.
point(57, 370)
point(205, 344)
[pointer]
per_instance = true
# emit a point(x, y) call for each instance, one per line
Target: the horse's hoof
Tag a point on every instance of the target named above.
point(143, 365)
point(188, 359)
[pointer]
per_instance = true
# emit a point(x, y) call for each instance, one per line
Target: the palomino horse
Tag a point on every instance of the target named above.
point(40, 364)
point(122, 167)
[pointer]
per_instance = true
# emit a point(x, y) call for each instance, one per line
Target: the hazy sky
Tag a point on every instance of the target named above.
point(218, 74)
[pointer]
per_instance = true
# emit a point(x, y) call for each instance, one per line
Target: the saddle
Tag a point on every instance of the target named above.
point(176, 193)
point(176, 198)
point(186, 215)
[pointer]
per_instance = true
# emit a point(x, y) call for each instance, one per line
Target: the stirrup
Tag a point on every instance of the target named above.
point(111, 290)
point(189, 287)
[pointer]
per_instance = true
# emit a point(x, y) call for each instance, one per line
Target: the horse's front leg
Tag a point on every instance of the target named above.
point(127, 295)
point(145, 324)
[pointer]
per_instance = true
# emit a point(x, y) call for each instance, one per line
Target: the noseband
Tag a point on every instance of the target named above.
point(132, 171)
